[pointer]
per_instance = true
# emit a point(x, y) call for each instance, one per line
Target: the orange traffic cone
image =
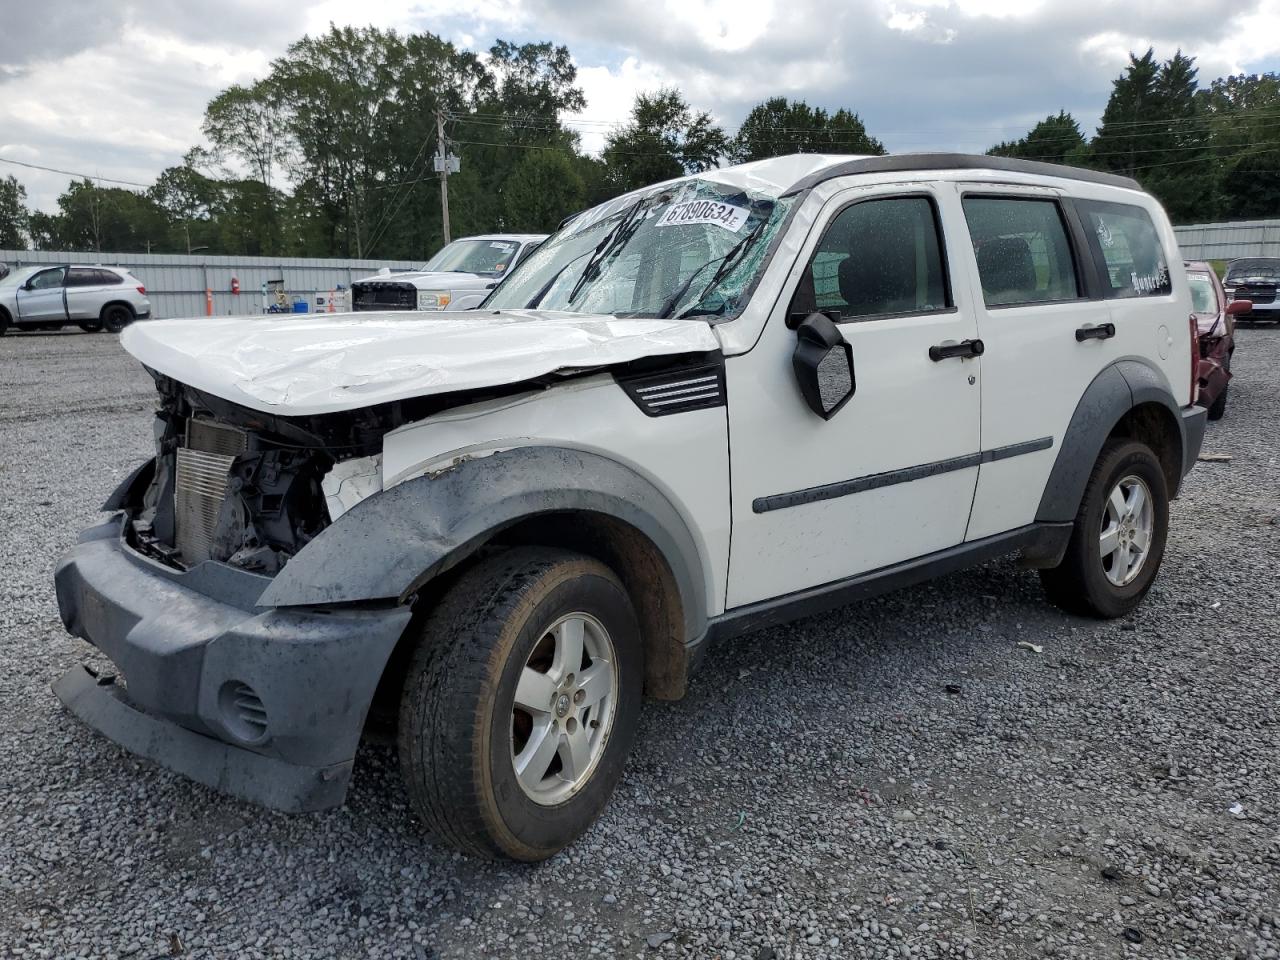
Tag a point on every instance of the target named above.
point(208, 301)
point(330, 301)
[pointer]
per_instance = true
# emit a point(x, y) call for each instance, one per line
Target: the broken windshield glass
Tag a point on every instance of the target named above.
point(690, 248)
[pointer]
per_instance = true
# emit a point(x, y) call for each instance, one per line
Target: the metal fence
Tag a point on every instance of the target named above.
point(1229, 241)
point(177, 283)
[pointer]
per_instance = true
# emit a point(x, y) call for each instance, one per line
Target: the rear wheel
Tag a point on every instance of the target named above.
point(521, 703)
point(115, 317)
point(4, 322)
point(1118, 539)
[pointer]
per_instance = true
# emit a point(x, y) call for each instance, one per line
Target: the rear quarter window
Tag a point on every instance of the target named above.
point(1129, 255)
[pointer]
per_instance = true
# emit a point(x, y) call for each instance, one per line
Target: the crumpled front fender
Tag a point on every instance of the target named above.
point(390, 544)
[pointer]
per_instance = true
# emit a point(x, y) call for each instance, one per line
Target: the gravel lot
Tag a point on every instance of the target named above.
point(894, 779)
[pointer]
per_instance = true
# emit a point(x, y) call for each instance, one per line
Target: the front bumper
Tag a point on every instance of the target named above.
point(267, 705)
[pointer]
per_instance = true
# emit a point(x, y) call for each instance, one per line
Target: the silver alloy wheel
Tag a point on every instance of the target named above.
point(1127, 526)
point(564, 709)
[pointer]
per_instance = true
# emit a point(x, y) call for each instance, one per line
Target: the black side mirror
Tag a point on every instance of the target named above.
point(823, 363)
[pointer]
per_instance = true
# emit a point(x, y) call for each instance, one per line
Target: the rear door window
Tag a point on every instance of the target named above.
point(82, 277)
point(1022, 250)
point(1127, 248)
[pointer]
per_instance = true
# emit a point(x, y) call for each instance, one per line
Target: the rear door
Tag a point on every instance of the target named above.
point(86, 291)
point(1048, 270)
point(41, 299)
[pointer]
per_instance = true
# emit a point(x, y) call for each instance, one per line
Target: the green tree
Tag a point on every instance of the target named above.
point(105, 219)
point(542, 190)
point(1121, 142)
point(14, 218)
point(1055, 139)
point(779, 126)
point(1240, 113)
point(191, 201)
point(665, 138)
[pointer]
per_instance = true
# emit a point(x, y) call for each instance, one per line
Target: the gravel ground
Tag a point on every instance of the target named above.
point(895, 779)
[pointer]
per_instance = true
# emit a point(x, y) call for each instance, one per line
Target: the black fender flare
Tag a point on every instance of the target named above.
point(390, 544)
point(1113, 393)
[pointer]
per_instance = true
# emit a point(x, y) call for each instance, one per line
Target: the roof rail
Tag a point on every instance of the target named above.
point(909, 162)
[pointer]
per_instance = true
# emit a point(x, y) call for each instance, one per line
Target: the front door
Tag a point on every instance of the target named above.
point(891, 475)
point(40, 298)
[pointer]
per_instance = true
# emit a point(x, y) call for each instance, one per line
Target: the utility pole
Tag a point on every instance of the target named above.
point(445, 164)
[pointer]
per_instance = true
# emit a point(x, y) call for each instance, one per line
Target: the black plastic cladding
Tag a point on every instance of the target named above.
point(691, 384)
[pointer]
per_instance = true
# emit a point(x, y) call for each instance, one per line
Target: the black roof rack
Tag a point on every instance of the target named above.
point(908, 162)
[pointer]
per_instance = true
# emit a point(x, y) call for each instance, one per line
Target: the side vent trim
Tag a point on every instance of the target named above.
point(675, 390)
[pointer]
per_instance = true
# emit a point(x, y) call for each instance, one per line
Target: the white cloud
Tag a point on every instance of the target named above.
point(118, 89)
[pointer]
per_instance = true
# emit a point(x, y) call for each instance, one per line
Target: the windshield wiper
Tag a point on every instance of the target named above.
point(546, 287)
point(605, 247)
point(728, 260)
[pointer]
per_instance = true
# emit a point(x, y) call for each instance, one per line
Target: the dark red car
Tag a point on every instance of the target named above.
point(1216, 322)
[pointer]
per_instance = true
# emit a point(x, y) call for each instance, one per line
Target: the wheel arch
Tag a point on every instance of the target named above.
point(398, 545)
point(1129, 398)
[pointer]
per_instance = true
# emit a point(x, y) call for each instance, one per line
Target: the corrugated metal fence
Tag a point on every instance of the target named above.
point(1229, 241)
point(176, 283)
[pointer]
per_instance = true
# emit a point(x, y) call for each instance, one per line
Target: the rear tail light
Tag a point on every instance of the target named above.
point(1194, 329)
point(142, 290)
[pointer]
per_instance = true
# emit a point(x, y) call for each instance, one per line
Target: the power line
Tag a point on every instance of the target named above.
point(71, 173)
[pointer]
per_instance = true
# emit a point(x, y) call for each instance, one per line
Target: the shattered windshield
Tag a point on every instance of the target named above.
point(693, 248)
point(489, 257)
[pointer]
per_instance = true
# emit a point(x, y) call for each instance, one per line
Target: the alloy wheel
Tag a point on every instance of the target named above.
point(564, 709)
point(1127, 525)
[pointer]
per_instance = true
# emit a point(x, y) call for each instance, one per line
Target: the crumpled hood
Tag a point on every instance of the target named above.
point(300, 364)
point(433, 280)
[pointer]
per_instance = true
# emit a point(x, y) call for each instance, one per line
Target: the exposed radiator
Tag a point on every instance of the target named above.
point(200, 485)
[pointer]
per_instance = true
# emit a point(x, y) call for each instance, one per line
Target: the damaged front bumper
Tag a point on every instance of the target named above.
point(264, 704)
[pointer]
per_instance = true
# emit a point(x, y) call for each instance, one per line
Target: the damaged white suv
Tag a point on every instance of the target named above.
point(705, 407)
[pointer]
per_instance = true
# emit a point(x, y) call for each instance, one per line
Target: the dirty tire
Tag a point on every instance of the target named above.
point(1079, 584)
point(455, 738)
point(1219, 406)
point(115, 317)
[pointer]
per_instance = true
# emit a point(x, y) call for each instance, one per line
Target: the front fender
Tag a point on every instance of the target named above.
point(387, 546)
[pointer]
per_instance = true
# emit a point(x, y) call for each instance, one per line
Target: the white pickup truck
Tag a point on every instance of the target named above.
point(459, 277)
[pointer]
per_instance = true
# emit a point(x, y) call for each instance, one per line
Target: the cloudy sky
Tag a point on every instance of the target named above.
point(116, 89)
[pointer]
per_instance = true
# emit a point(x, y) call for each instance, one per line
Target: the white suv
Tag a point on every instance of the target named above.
point(51, 297)
point(708, 406)
point(459, 277)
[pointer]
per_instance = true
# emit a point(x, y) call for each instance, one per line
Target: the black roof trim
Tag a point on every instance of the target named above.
point(910, 162)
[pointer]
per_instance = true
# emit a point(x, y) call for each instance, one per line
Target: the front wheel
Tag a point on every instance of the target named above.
point(1119, 535)
point(521, 703)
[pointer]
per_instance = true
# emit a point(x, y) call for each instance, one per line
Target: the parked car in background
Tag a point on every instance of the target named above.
point(1216, 324)
point(459, 277)
point(1257, 280)
point(703, 408)
point(51, 297)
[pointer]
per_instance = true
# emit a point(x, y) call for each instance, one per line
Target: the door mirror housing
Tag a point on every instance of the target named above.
point(823, 363)
point(1237, 307)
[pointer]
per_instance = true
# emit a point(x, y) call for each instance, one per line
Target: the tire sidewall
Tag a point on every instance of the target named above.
point(111, 312)
point(1136, 460)
point(527, 829)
